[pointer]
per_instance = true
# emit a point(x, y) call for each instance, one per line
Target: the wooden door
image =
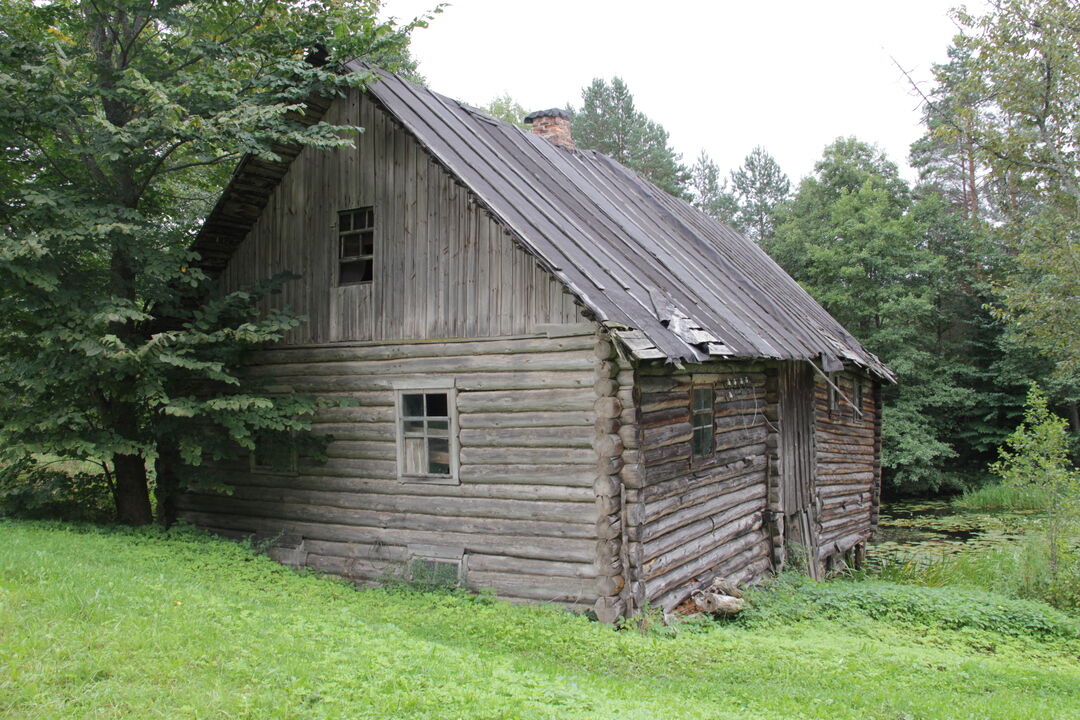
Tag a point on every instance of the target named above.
point(797, 459)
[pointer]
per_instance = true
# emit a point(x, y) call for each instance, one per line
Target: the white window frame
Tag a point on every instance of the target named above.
point(430, 386)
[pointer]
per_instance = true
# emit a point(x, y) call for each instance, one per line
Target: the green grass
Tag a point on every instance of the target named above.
point(140, 624)
point(990, 498)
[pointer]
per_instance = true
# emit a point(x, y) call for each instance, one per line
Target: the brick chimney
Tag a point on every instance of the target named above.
point(554, 125)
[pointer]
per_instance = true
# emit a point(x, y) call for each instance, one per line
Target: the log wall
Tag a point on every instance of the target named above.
point(442, 269)
point(848, 455)
point(691, 519)
point(532, 516)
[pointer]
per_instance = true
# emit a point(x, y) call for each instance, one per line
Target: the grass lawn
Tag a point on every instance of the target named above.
point(99, 623)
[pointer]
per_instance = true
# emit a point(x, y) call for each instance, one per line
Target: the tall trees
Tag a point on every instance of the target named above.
point(851, 238)
point(116, 114)
point(760, 187)
point(1016, 72)
point(710, 194)
point(507, 109)
point(609, 122)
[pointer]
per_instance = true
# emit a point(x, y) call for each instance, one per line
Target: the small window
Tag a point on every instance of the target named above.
point(356, 246)
point(834, 397)
point(427, 435)
point(702, 400)
point(274, 455)
point(857, 399)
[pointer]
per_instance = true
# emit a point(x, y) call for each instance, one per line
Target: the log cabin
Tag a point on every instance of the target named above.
point(566, 385)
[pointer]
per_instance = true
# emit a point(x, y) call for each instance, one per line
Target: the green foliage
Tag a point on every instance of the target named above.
point(34, 488)
point(1010, 96)
point(121, 119)
point(760, 187)
point(854, 602)
point(507, 109)
point(1035, 459)
point(151, 624)
point(710, 194)
point(1024, 570)
point(864, 247)
point(609, 122)
point(999, 496)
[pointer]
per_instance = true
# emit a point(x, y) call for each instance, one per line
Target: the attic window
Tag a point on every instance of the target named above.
point(356, 245)
point(834, 397)
point(702, 400)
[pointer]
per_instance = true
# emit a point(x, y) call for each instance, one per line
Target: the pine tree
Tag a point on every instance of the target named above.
point(710, 195)
point(760, 187)
point(609, 123)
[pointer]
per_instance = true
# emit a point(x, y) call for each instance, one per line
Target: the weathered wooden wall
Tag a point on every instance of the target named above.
point(443, 268)
point(847, 450)
point(529, 513)
point(691, 520)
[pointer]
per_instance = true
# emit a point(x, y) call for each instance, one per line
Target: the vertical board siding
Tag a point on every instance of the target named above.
point(847, 466)
point(696, 519)
point(525, 512)
point(443, 267)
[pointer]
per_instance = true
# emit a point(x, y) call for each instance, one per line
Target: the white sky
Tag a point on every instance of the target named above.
point(722, 76)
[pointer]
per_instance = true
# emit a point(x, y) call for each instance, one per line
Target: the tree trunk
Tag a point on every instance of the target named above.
point(132, 493)
point(168, 483)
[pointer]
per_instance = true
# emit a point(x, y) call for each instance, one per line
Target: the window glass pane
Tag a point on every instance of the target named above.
point(412, 405)
point(703, 398)
point(414, 426)
point(702, 441)
point(438, 456)
point(437, 405)
point(415, 456)
point(354, 272)
point(367, 242)
point(369, 218)
point(438, 428)
point(350, 245)
point(344, 222)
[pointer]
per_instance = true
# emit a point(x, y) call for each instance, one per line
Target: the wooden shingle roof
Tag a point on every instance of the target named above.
point(672, 282)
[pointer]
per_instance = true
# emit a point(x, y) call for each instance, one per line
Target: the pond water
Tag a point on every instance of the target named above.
point(923, 529)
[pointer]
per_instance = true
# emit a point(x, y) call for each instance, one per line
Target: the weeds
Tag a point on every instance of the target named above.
point(999, 497)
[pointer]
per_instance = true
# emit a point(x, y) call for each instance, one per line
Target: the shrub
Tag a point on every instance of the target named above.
point(1035, 460)
point(31, 488)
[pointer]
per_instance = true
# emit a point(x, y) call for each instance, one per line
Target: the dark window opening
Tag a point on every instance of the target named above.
point(702, 400)
point(356, 246)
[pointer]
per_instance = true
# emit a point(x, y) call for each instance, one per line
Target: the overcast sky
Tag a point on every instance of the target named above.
point(721, 76)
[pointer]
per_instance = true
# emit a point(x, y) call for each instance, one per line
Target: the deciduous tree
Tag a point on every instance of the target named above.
point(119, 119)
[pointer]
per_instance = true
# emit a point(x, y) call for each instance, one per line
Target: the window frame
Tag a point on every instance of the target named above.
point(342, 260)
point(420, 388)
point(857, 399)
point(695, 458)
point(834, 396)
